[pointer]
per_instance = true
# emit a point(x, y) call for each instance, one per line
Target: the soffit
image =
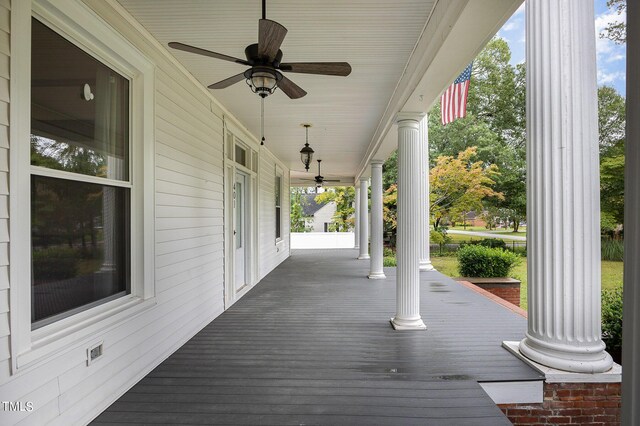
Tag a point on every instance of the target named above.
point(376, 38)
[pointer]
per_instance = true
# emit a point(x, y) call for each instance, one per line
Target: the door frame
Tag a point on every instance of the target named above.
point(231, 168)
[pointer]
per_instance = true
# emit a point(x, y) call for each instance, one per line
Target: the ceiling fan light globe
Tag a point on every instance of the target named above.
point(263, 80)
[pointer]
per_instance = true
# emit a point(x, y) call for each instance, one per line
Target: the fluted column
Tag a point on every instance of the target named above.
point(631, 303)
point(364, 219)
point(376, 270)
point(408, 230)
point(563, 202)
point(356, 217)
point(425, 258)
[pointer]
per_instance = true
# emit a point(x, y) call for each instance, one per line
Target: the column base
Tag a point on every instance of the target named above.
point(377, 276)
point(407, 324)
point(592, 359)
point(357, 247)
point(426, 265)
point(364, 257)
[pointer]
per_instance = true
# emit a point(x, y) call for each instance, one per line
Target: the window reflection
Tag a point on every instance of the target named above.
point(80, 239)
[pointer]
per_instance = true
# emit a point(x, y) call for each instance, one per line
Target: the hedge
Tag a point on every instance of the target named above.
point(485, 262)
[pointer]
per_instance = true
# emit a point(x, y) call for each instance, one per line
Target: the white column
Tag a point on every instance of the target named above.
point(408, 230)
point(364, 219)
point(631, 302)
point(425, 258)
point(376, 270)
point(356, 217)
point(563, 200)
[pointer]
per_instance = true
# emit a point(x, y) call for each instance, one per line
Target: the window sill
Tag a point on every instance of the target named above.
point(73, 332)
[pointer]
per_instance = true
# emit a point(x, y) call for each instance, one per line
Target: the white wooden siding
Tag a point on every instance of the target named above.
point(189, 248)
point(270, 253)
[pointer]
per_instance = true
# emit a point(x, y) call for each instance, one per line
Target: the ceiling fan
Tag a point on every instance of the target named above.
point(319, 180)
point(264, 58)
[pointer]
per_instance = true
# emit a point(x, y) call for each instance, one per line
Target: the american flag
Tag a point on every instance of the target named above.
point(454, 99)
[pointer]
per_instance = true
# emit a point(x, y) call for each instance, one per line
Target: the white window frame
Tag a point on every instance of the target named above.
point(80, 25)
point(279, 173)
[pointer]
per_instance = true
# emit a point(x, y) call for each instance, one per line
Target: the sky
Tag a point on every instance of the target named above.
point(611, 57)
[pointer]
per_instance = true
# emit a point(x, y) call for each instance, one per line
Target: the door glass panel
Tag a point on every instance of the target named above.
point(239, 214)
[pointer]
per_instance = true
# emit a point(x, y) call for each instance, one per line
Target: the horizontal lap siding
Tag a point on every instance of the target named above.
point(5, 361)
point(189, 235)
point(271, 255)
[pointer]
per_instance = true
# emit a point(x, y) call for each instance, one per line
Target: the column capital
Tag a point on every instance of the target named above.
point(364, 179)
point(377, 163)
point(407, 117)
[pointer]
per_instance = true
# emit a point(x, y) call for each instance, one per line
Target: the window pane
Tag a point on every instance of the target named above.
point(79, 246)
point(277, 190)
point(79, 109)
point(278, 217)
point(241, 156)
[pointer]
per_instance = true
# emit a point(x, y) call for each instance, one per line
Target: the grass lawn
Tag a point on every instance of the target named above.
point(611, 273)
point(464, 238)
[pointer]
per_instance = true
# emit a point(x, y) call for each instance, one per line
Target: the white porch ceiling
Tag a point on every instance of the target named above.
point(390, 45)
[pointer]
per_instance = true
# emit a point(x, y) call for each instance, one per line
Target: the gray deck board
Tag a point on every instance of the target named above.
point(312, 344)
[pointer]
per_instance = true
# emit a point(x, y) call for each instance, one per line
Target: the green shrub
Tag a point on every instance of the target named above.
point(485, 262)
point(612, 321)
point(612, 249)
point(389, 261)
point(388, 252)
point(54, 263)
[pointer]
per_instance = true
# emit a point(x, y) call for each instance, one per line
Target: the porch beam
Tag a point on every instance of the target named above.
point(364, 219)
point(631, 302)
point(376, 269)
point(408, 229)
point(563, 209)
point(425, 256)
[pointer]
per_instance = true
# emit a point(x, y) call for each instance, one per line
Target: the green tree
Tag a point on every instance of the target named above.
point(298, 218)
point(616, 31)
point(611, 121)
point(344, 197)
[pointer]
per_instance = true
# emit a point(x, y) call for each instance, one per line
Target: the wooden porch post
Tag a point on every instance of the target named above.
point(563, 209)
point(425, 257)
point(376, 270)
point(356, 217)
point(409, 213)
point(364, 218)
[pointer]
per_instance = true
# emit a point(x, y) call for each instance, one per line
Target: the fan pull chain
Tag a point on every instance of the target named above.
point(262, 120)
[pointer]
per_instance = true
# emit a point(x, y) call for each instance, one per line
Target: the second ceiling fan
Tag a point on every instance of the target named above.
point(264, 58)
point(319, 180)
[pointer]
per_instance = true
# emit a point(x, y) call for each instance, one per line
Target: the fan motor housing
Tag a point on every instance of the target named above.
point(251, 52)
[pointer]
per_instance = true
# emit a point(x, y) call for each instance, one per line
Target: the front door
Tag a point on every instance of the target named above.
point(240, 230)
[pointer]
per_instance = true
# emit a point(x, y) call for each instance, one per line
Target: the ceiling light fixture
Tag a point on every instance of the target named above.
point(306, 153)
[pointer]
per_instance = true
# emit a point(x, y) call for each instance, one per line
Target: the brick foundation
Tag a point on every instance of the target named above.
point(570, 403)
point(505, 288)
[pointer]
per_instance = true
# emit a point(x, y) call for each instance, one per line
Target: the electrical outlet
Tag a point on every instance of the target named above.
point(94, 352)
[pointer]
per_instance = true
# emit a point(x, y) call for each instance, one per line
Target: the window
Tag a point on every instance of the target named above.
point(80, 179)
point(241, 155)
point(278, 192)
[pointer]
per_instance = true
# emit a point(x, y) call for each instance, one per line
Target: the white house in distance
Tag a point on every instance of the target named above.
point(320, 215)
point(136, 205)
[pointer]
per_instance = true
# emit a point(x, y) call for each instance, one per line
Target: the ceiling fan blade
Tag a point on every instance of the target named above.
point(270, 37)
point(227, 81)
point(291, 89)
point(325, 68)
point(330, 180)
point(199, 51)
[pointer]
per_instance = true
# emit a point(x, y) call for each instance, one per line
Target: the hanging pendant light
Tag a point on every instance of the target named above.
point(306, 153)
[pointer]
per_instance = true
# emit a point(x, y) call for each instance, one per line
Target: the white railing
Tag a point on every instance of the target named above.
point(322, 240)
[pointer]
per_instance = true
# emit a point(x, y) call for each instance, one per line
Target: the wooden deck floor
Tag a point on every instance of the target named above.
point(312, 344)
